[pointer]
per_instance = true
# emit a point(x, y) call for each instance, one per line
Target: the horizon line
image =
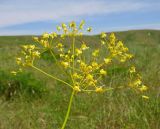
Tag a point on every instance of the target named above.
point(88, 34)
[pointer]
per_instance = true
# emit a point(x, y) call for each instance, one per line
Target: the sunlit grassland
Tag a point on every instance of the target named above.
point(113, 110)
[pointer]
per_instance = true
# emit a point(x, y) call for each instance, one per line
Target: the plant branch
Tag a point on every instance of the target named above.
point(51, 76)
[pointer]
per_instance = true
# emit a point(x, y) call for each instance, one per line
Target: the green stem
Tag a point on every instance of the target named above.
point(58, 65)
point(51, 76)
point(68, 111)
point(54, 57)
point(73, 49)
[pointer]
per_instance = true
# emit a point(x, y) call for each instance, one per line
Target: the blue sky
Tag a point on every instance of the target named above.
point(20, 17)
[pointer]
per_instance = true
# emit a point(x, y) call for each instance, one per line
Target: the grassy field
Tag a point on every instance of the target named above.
point(46, 108)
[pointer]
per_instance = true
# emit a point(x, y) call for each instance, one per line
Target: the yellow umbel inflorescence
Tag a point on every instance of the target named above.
point(87, 68)
point(85, 74)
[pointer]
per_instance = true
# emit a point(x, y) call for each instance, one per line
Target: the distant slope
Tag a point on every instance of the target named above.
point(138, 36)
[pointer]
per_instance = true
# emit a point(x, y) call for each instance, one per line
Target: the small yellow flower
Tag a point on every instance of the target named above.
point(120, 44)
point(82, 64)
point(20, 70)
point(72, 24)
point(45, 35)
point(45, 44)
point(122, 60)
point(75, 75)
point(59, 45)
point(107, 60)
point(125, 49)
point(69, 51)
point(76, 88)
point(35, 39)
point(99, 89)
point(14, 73)
point(78, 61)
point(103, 35)
point(129, 56)
point(65, 64)
point(78, 51)
point(137, 82)
point(25, 47)
point(89, 77)
point(65, 30)
point(32, 47)
point(61, 49)
point(36, 53)
point(94, 65)
point(61, 55)
point(143, 88)
point(58, 28)
point(145, 97)
point(132, 69)
point(89, 68)
point(73, 56)
point(102, 42)
point(63, 36)
point(91, 83)
point(41, 42)
point(64, 25)
point(53, 35)
point(81, 24)
point(84, 47)
point(18, 61)
point(112, 36)
point(89, 29)
point(95, 53)
point(103, 72)
point(66, 57)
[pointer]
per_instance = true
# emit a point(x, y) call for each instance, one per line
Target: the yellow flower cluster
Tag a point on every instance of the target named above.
point(86, 69)
point(115, 47)
point(30, 53)
point(86, 74)
point(45, 39)
point(72, 29)
point(136, 80)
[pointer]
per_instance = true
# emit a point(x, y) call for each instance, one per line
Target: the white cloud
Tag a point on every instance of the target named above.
point(155, 26)
point(21, 11)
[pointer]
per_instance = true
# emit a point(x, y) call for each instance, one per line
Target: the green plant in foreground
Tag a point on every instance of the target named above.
point(85, 67)
point(22, 84)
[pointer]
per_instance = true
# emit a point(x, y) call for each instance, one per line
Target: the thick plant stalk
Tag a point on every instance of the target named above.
point(68, 111)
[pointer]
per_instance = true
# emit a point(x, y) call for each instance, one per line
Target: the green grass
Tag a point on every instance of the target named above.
point(119, 109)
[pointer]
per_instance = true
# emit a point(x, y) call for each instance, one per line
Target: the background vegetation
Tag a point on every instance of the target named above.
point(33, 101)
